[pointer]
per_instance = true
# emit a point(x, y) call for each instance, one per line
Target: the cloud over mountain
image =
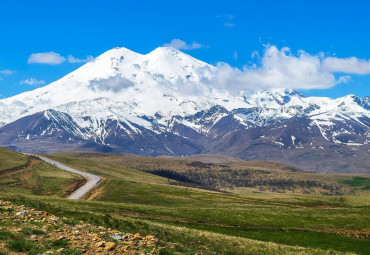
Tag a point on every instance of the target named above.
point(182, 45)
point(32, 82)
point(114, 84)
point(346, 65)
point(280, 68)
point(50, 58)
point(53, 58)
point(72, 59)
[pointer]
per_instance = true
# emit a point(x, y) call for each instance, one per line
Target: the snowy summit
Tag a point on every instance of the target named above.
point(131, 96)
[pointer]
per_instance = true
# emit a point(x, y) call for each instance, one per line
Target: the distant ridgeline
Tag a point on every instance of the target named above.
point(162, 103)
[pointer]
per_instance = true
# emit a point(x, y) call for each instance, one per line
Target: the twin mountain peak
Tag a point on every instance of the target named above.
point(165, 102)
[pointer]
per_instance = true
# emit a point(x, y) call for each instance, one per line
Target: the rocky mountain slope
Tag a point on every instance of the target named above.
point(166, 103)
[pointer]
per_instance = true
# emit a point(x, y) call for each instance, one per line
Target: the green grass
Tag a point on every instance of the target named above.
point(205, 221)
point(358, 181)
point(206, 242)
point(235, 177)
point(71, 251)
point(290, 219)
point(293, 237)
point(10, 159)
point(167, 251)
point(39, 179)
point(57, 244)
point(5, 235)
point(250, 221)
point(22, 245)
point(30, 231)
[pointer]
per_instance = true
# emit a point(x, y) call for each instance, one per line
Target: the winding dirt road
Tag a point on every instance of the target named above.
point(92, 180)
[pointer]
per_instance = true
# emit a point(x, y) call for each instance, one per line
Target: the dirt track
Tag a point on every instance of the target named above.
point(92, 180)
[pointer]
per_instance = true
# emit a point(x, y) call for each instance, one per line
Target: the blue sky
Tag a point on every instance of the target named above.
point(218, 31)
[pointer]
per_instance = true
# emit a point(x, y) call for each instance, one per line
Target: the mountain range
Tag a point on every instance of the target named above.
point(164, 103)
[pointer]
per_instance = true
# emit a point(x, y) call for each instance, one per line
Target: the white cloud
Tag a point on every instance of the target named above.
point(50, 58)
point(344, 79)
point(114, 84)
point(188, 88)
point(7, 72)
point(278, 69)
point(228, 19)
point(53, 58)
point(235, 55)
point(32, 82)
point(181, 45)
point(346, 65)
point(72, 59)
point(228, 24)
point(255, 54)
point(228, 16)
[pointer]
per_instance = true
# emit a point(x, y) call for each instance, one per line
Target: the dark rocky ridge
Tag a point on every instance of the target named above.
point(295, 141)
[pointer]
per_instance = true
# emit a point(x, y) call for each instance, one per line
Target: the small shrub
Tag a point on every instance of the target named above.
point(38, 232)
point(72, 251)
point(21, 245)
point(57, 244)
point(30, 231)
point(69, 221)
point(5, 235)
point(27, 231)
point(166, 251)
point(52, 228)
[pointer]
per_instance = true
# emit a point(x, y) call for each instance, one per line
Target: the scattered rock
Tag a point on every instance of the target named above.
point(20, 213)
point(110, 246)
point(137, 236)
point(100, 244)
point(91, 238)
point(33, 237)
point(117, 237)
point(102, 228)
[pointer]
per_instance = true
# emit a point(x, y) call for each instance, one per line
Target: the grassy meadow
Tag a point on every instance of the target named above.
point(10, 159)
point(227, 219)
point(34, 177)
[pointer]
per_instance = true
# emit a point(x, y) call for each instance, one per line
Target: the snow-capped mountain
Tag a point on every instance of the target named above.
point(164, 103)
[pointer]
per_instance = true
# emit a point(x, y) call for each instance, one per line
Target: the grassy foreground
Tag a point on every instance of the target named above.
point(185, 239)
point(26, 230)
point(27, 175)
point(10, 159)
point(198, 220)
point(339, 223)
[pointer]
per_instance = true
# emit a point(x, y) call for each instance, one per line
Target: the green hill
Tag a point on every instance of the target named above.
point(20, 174)
point(10, 159)
point(226, 220)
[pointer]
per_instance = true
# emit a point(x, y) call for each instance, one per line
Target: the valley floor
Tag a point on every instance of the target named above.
point(197, 220)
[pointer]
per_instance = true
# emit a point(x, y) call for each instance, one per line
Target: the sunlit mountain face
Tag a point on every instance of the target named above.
point(164, 102)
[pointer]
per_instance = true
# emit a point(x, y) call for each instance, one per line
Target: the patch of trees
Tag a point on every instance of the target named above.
point(173, 175)
point(262, 180)
point(200, 164)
